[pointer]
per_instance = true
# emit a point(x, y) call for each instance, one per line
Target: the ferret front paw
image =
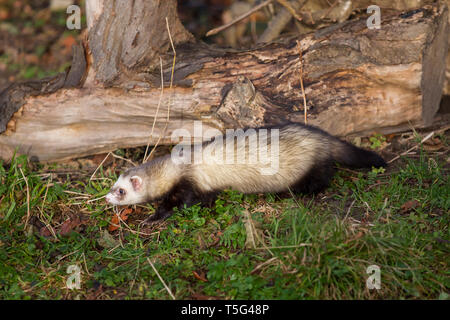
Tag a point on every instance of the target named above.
point(158, 216)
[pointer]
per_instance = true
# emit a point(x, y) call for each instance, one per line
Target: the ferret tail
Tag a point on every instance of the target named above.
point(351, 156)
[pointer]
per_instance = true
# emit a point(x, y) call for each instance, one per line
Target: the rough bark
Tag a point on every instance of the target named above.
point(447, 71)
point(128, 37)
point(14, 96)
point(357, 81)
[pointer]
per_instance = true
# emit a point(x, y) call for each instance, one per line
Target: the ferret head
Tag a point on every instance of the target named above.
point(127, 190)
point(147, 182)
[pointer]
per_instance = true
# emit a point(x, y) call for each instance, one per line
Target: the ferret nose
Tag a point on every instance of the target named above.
point(107, 199)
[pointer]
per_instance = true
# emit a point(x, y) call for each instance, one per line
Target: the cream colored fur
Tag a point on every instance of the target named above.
point(299, 149)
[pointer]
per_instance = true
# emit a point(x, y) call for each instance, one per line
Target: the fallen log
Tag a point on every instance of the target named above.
point(357, 81)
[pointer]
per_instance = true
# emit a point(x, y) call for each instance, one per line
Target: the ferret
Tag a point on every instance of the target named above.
point(302, 160)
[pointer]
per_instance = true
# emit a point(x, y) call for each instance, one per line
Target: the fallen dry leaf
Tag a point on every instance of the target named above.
point(45, 232)
point(412, 204)
point(200, 276)
point(31, 59)
point(433, 144)
point(389, 137)
point(95, 293)
point(99, 158)
point(69, 225)
point(114, 224)
point(68, 42)
point(4, 14)
point(215, 238)
point(359, 235)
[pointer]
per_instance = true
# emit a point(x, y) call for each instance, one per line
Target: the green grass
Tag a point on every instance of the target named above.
point(306, 248)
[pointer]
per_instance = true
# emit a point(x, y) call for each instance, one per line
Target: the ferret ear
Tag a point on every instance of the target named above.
point(136, 182)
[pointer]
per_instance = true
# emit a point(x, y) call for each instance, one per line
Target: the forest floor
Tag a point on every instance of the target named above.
point(53, 216)
point(54, 220)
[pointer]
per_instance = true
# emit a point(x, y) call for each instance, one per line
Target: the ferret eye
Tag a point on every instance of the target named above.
point(121, 191)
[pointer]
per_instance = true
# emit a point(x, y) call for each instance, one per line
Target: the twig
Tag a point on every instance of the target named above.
point(47, 224)
point(96, 199)
point(95, 171)
point(28, 197)
point(286, 247)
point(266, 247)
point(128, 227)
point(122, 158)
point(265, 263)
point(78, 193)
point(241, 17)
point(45, 195)
point(174, 53)
point(170, 87)
point(301, 79)
point(349, 208)
point(135, 276)
point(279, 22)
point(50, 228)
point(329, 9)
point(259, 238)
point(311, 17)
point(413, 148)
point(294, 198)
point(289, 8)
point(441, 130)
point(375, 184)
point(161, 279)
point(67, 255)
point(250, 230)
point(157, 109)
point(85, 264)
